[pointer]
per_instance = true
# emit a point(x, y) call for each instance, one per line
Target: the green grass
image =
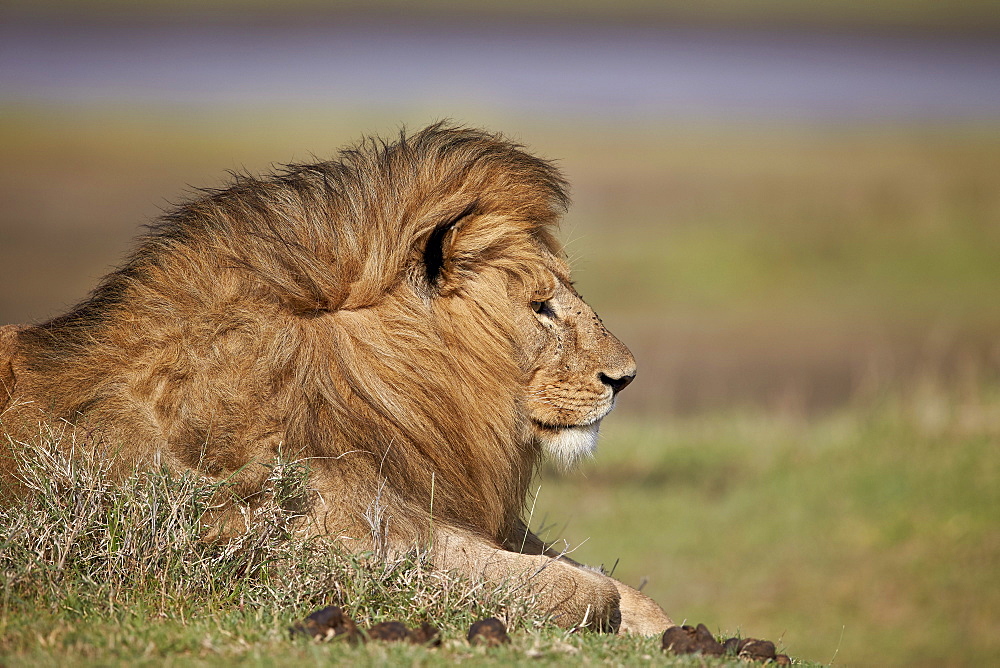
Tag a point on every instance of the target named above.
point(97, 571)
point(870, 534)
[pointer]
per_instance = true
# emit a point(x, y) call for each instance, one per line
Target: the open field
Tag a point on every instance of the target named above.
point(810, 452)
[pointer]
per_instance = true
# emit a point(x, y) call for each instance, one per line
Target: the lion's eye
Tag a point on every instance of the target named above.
point(542, 307)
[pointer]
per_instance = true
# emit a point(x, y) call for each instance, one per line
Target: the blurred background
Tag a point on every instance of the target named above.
point(789, 211)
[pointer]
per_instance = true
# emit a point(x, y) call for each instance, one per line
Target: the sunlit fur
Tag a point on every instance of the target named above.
point(366, 314)
point(246, 324)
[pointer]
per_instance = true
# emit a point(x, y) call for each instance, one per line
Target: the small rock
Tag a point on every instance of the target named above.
point(326, 624)
point(690, 639)
point(389, 632)
point(489, 632)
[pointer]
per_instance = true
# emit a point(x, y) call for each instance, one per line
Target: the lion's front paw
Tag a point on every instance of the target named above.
point(640, 614)
point(580, 598)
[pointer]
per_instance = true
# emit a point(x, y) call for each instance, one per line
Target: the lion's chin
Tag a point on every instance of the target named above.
point(568, 446)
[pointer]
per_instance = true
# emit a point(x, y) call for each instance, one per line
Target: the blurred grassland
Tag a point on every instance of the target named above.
point(810, 449)
point(869, 535)
point(743, 264)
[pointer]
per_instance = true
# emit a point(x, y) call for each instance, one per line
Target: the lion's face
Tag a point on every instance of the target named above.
point(575, 367)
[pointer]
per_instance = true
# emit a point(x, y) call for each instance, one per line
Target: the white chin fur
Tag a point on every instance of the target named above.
point(568, 447)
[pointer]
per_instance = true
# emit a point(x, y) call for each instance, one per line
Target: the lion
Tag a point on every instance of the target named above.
point(402, 318)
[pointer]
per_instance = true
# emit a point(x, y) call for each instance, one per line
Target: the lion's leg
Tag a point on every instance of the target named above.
point(639, 613)
point(574, 596)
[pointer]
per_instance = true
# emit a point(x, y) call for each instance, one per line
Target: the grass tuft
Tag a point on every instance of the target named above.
point(88, 542)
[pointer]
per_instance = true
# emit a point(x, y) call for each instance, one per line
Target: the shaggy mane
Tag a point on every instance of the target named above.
point(353, 312)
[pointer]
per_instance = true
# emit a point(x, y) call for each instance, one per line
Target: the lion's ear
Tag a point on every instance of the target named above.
point(438, 249)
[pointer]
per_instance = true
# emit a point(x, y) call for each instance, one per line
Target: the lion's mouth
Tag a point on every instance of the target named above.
point(588, 423)
point(545, 426)
point(567, 444)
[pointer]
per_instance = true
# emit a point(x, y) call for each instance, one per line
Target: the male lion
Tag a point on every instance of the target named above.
point(401, 318)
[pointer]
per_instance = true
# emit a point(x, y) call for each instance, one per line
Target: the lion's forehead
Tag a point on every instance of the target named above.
point(558, 267)
point(552, 273)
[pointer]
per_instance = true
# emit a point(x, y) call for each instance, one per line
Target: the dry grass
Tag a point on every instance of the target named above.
point(88, 544)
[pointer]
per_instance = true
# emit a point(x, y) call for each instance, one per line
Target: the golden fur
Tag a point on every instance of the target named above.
point(401, 318)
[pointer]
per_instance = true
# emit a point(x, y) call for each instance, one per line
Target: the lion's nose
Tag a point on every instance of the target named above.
point(616, 384)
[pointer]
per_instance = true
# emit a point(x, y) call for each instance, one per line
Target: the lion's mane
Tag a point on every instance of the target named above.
point(324, 312)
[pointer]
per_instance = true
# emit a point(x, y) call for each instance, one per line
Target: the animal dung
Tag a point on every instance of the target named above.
point(425, 634)
point(332, 622)
point(489, 632)
point(389, 632)
point(691, 640)
point(326, 624)
point(698, 639)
